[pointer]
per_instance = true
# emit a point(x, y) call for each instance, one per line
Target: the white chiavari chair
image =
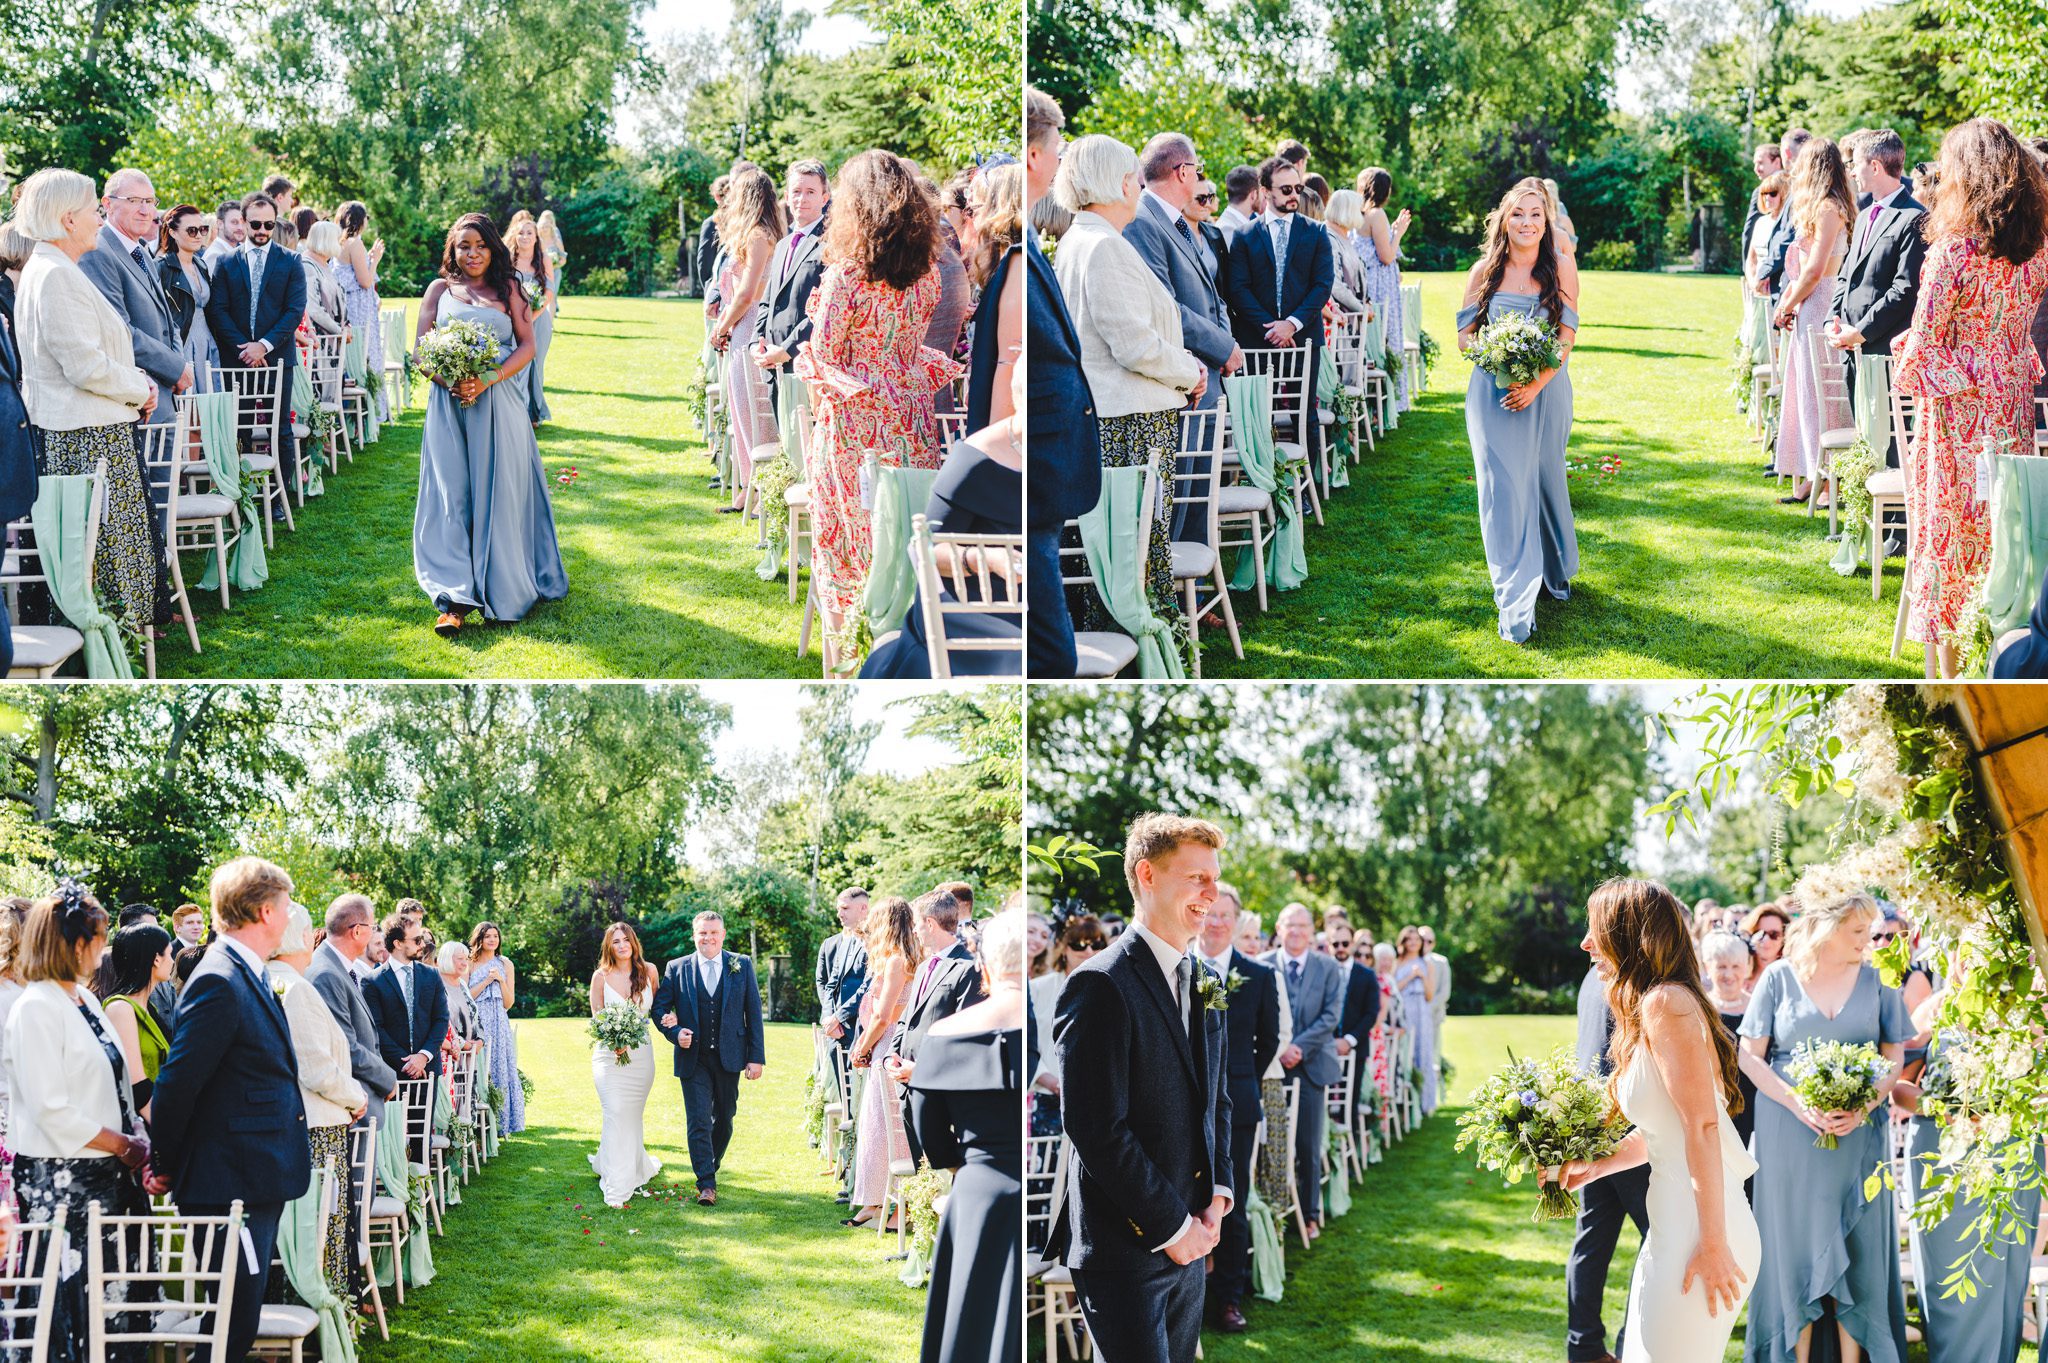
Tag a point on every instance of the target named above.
point(416, 1100)
point(1105, 653)
point(1196, 562)
point(1246, 517)
point(1905, 426)
point(188, 1264)
point(1341, 1098)
point(1052, 1283)
point(40, 650)
point(1838, 433)
point(381, 1221)
point(1293, 407)
point(28, 1288)
point(284, 1327)
point(963, 577)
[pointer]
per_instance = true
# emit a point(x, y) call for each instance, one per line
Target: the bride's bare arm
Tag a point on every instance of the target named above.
point(1675, 1031)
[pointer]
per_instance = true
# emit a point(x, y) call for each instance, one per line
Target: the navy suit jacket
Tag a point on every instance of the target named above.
point(842, 980)
point(2028, 657)
point(17, 445)
point(1248, 282)
point(395, 1038)
point(1361, 1004)
point(981, 370)
point(278, 313)
point(1776, 245)
point(733, 1017)
point(226, 1116)
point(1880, 279)
point(1065, 454)
point(1254, 1030)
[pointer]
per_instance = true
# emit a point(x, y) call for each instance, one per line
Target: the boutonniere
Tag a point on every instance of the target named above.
point(732, 966)
point(1215, 993)
point(277, 988)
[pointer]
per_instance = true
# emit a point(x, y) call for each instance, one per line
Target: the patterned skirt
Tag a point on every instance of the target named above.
point(128, 570)
point(330, 1147)
point(1127, 442)
point(1275, 1159)
point(43, 1185)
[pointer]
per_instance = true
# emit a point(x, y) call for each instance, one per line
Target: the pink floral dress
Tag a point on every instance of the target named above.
point(1970, 361)
point(872, 382)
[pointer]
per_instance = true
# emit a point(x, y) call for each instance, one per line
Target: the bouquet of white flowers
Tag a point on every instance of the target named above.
point(1535, 1115)
point(1515, 349)
point(1835, 1076)
point(619, 1028)
point(454, 351)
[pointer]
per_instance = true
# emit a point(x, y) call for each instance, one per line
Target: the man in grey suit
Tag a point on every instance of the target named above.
point(1880, 278)
point(1439, 981)
point(124, 269)
point(783, 321)
point(1168, 244)
point(350, 926)
point(1315, 998)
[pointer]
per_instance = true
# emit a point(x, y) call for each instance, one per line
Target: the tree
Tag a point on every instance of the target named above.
point(2003, 60)
point(197, 153)
point(973, 105)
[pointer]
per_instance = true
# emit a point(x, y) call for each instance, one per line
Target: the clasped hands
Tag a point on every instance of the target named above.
point(1522, 394)
point(1201, 1238)
point(1282, 332)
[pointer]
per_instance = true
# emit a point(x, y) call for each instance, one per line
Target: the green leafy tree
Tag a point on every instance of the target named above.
point(197, 153)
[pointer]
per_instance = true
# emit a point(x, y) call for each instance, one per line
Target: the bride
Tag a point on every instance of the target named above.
point(622, 1164)
point(1675, 1078)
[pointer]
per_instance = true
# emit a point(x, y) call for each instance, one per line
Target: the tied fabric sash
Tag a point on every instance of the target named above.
point(62, 507)
point(1250, 398)
point(1116, 560)
point(248, 565)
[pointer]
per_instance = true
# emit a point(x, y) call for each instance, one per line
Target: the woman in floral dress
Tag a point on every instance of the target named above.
point(1379, 249)
point(491, 985)
point(356, 269)
point(871, 376)
point(1970, 361)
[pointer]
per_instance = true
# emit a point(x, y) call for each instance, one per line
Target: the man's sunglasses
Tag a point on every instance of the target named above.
point(1289, 190)
point(258, 225)
point(1092, 944)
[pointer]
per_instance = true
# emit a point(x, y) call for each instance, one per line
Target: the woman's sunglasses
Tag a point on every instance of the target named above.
point(1773, 933)
point(1092, 944)
point(1884, 937)
point(1205, 198)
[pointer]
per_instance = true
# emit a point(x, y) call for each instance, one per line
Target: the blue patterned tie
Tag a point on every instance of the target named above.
point(255, 285)
point(1279, 264)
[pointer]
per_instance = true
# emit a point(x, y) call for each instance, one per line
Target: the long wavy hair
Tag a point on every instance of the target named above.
point(750, 203)
point(638, 971)
point(540, 247)
point(998, 203)
point(891, 930)
point(1493, 263)
point(1989, 189)
point(498, 276)
point(883, 224)
point(1820, 177)
point(1639, 928)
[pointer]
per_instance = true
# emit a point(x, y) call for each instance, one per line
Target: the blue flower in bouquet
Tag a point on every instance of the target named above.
point(1515, 349)
point(1536, 1115)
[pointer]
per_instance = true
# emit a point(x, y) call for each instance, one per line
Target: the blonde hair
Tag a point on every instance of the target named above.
point(1810, 929)
point(1155, 835)
point(323, 238)
point(1093, 171)
point(47, 198)
point(1002, 946)
point(240, 890)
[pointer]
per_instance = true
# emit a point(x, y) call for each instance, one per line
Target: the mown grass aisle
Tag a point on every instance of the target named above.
point(1689, 565)
point(767, 1276)
point(660, 585)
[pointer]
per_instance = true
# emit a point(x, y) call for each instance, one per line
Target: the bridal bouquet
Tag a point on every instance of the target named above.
point(454, 351)
point(1515, 349)
point(1535, 1115)
point(619, 1028)
point(1835, 1076)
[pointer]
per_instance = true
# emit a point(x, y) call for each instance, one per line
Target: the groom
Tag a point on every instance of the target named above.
point(709, 1005)
point(1142, 1046)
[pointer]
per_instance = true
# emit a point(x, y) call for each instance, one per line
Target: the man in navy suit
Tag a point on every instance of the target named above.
point(843, 969)
point(1065, 454)
point(1279, 277)
point(783, 317)
point(1143, 1044)
point(1252, 1024)
point(226, 1115)
point(258, 301)
point(408, 1002)
point(709, 1005)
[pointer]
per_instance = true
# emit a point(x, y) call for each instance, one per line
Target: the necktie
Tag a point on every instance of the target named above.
point(141, 260)
point(256, 254)
point(1875, 209)
point(1293, 976)
point(796, 241)
point(1181, 225)
point(1279, 263)
point(405, 986)
point(1182, 974)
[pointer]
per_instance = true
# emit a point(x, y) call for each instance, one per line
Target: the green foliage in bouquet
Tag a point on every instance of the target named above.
point(1835, 1076)
point(1515, 349)
point(1430, 350)
point(1741, 365)
point(1853, 468)
point(619, 1027)
point(494, 1096)
point(920, 1194)
point(1536, 1114)
point(814, 1111)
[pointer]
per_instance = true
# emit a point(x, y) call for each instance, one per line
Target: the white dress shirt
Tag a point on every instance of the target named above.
point(1233, 220)
point(1169, 962)
point(707, 971)
point(60, 1083)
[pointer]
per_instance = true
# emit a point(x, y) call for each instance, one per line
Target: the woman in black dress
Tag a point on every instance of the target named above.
point(966, 1102)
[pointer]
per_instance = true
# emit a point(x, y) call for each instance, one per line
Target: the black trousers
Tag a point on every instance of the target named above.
point(1603, 1205)
point(1230, 1282)
point(1150, 1315)
point(1049, 630)
point(259, 1221)
point(710, 1097)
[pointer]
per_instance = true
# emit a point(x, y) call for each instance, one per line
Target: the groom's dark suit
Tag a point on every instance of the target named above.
point(726, 1036)
point(1148, 1115)
point(227, 1117)
point(1253, 1029)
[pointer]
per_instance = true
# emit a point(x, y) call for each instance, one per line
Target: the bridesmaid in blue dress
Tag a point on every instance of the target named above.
point(1828, 1250)
point(1518, 436)
point(483, 535)
point(491, 984)
point(536, 275)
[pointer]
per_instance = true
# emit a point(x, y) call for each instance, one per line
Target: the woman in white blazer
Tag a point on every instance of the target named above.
point(326, 305)
point(1141, 375)
point(329, 1090)
point(80, 384)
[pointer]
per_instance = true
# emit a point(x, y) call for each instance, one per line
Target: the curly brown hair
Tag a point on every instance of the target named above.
point(1989, 189)
point(997, 203)
point(882, 223)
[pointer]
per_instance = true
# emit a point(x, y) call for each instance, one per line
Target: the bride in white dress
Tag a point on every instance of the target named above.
point(622, 1164)
point(1675, 1079)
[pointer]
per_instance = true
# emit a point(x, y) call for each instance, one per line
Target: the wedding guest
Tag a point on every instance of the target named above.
point(259, 298)
point(71, 1122)
point(1439, 983)
point(1315, 993)
point(283, 193)
point(894, 953)
point(783, 326)
point(82, 387)
point(1202, 217)
point(1604, 1204)
point(963, 1109)
point(1765, 928)
point(1561, 221)
point(1065, 448)
point(1278, 278)
point(329, 1093)
point(350, 928)
point(709, 1004)
point(1139, 369)
point(1727, 959)
point(497, 553)
point(946, 983)
point(1969, 361)
point(1251, 935)
point(956, 292)
point(1038, 941)
point(951, 201)
point(228, 234)
point(1382, 261)
point(995, 230)
point(1822, 211)
point(326, 301)
point(1293, 153)
point(1415, 981)
point(227, 1124)
point(186, 286)
point(708, 244)
point(492, 985)
point(1252, 1035)
point(140, 958)
point(1771, 275)
point(1361, 1010)
point(1148, 1110)
point(537, 277)
point(551, 242)
point(1766, 207)
point(125, 270)
point(1873, 297)
point(20, 441)
point(303, 217)
point(13, 923)
point(1344, 217)
point(1830, 1252)
point(452, 961)
point(355, 268)
point(1379, 1060)
point(1080, 939)
point(1246, 200)
point(408, 1003)
point(843, 971)
point(872, 379)
point(750, 225)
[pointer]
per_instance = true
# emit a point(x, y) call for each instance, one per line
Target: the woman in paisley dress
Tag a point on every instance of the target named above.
point(491, 984)
point(871, 376)
point(1970, 361)
point(750, 224)
point(1822, 209)
point(356, 269)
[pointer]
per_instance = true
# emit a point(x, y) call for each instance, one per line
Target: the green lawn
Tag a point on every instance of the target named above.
point(1689, 566)
point(660, 585)
point(536, 1267)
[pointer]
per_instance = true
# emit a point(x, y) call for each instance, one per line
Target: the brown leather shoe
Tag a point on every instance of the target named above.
point(1231, 1320)
point(707, 1197)
point(447, 623)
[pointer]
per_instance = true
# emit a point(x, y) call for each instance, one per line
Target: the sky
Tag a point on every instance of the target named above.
point(764, 720)
point(827, 36)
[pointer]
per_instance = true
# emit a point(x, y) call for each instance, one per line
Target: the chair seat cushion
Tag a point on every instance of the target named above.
point(281, 1320)
point(1840, 438)
point(383, 1206)
point(1102, 653)
point(1887, 483)
point(1193, 560)
point(441, 1142)
point(40, 646)
point(1326, 416)
point(799, 495)
point(262, 463)
point(1290, 451)
point(203, 506)
point(1242, 499)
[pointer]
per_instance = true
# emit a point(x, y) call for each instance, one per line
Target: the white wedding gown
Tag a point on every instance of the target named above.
point(622, 1164)
point(1666, 1325)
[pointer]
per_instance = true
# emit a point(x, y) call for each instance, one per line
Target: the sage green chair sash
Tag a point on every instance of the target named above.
point(305, 409)
point(1251, 419)
point(248, 564)
point(355, 362)
point(1330, 395)
point(900, 493)
point(2019, 540)
point(299, 1245)
point(1116, 560)
point(394, 1174)
point(62, 507)
point(1871, 402)
point(1269, 1256)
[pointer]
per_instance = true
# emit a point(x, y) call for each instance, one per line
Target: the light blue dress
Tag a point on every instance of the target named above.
point(1985, 1329)
point(1421, 1025)
point(1822, 1237)
point(483, 534)
point(364, 308)
point(1525, 500)
point(1383, 291)
point(496, 1030)
point(543, 335)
